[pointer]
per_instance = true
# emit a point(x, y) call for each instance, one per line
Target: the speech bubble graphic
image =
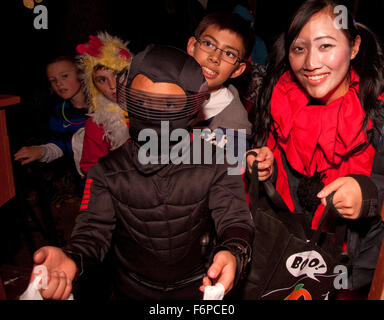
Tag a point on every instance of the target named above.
point(307, 262)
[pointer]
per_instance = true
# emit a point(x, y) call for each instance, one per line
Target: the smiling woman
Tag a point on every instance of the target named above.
point(320, 58)
point(320, 116)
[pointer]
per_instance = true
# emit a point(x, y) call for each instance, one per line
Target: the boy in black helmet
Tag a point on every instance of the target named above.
point(150, 216)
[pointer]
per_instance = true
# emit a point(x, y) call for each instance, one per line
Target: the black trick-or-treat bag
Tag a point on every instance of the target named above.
point(290, 261)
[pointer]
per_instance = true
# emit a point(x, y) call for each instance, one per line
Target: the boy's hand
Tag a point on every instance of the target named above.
point(265, 160)
point(348, 198)
point(223, 270)
point(29, 154)
point(61, 271)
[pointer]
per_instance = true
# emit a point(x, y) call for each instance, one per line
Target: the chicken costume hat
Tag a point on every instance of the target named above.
point(110, 52)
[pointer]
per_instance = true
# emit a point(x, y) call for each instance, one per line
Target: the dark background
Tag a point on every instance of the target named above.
point(24, 52)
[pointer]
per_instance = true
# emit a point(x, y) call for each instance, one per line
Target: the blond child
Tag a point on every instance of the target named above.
point(68, 116)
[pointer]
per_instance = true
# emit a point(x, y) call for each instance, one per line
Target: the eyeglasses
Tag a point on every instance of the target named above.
point(227, 55)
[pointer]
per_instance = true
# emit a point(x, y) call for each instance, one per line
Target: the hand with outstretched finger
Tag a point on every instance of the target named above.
point(28, 154)
point(348, 198)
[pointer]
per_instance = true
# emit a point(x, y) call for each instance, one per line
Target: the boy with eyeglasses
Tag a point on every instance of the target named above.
point(221, 45)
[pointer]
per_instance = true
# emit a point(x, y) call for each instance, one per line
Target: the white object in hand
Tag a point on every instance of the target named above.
point(40, 281)
point(215, 292)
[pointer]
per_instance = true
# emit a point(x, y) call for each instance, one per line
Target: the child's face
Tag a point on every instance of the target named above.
point(320, 58)
point(63, 78)
point(216, 70)
point(143, 83)
point(105, 81)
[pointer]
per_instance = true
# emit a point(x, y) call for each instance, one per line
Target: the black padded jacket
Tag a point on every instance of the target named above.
point(152, 217)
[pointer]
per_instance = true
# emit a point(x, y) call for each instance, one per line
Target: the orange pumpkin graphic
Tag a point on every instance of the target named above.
point(299, 293)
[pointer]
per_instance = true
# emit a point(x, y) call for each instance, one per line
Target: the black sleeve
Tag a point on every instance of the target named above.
point(92, 234)
point(370, 195)
point(377, 175)
point(232, 217)
point(373, 187)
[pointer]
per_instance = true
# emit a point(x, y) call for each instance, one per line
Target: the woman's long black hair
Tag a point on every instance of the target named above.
point(368, 64)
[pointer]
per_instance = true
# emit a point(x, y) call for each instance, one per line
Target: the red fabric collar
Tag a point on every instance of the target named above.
point(322, 138)
point(316, 137)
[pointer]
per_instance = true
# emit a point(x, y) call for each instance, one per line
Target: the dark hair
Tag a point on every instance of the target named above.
point(232, 22)
point(368, 64)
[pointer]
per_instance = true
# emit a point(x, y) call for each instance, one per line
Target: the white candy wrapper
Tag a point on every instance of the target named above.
point(33, 290)
point(215, 292)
